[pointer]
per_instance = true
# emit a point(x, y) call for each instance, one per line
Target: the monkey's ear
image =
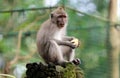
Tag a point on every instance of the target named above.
point(51, 15)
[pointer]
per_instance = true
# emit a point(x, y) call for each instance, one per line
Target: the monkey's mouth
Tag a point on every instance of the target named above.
point(61, 25)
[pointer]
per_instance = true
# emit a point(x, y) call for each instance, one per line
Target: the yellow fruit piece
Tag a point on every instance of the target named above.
point(75, 41)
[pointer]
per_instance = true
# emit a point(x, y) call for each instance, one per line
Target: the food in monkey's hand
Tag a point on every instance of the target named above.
point(76, 42)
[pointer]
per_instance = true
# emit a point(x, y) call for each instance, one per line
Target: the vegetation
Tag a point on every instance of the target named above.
point(18, 33)
point(35, 70)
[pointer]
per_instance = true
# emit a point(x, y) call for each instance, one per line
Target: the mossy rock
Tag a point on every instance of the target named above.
point(35, 70)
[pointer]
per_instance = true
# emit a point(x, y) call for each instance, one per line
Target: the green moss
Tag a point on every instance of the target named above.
point(70, 70)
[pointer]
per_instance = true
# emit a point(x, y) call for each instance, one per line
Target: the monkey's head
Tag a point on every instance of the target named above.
point(59, 17)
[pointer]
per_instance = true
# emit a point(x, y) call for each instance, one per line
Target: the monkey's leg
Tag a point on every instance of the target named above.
point(68, 52)
point(76, 61)
point(55, 54)
point(72, 58)
point(70, 55)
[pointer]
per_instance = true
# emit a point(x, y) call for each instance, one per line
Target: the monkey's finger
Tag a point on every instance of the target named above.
point(74, 41)
point(73, 46)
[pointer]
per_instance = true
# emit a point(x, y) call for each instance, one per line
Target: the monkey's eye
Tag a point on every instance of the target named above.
point(62, 16)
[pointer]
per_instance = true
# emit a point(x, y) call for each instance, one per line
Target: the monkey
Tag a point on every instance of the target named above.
point(52, 42)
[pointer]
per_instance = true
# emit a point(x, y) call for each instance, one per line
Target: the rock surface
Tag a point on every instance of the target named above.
point(39, 70)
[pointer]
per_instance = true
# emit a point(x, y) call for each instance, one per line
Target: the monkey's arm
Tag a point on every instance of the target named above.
point(66, 38)
point(74, 40)
point(65, 43)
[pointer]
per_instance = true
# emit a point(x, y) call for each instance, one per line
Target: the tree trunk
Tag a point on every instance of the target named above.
point(113, 42)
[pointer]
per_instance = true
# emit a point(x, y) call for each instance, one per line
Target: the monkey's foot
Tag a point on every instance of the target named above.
point(77, 61)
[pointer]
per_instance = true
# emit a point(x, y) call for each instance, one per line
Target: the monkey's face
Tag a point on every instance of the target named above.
point(61, 21)
point(59, 17)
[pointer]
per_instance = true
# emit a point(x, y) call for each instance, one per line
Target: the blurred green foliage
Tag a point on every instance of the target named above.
point(90, 31)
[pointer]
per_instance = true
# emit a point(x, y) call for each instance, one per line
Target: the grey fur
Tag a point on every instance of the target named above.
point(53, 44)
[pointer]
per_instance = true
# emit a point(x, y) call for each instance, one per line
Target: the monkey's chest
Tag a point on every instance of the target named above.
point(58, 36)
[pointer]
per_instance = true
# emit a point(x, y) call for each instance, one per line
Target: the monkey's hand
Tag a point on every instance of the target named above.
point(76, 42)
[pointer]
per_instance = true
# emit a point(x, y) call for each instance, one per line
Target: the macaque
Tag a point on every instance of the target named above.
point(52, 43)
